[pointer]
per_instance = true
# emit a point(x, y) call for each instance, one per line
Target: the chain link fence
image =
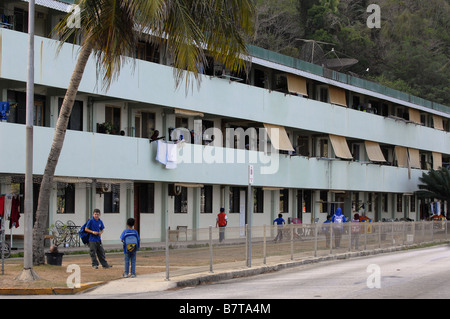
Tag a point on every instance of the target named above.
point(199, 250)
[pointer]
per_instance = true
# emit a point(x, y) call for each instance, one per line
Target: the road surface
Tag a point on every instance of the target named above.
point(417, 273)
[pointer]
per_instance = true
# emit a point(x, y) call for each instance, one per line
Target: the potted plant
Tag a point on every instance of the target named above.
point(105, 127)
point(60, 235)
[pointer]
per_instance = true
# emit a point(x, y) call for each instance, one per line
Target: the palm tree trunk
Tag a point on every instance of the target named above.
point(40, 224)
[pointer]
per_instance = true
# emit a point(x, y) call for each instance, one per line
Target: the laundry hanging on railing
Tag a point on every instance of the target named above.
point(167, 154)
point(10, 209)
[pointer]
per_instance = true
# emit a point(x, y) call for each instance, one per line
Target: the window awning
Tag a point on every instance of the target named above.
point(374, 151)
point(337, 95)
point(189, 185)
point(71, 180)
point(437, 160)
point(296, 84)
point(340, 146)
point(414, 157)
point(437, 122)
point(188, 112)
point(402, 156)
point(278, 137)
point(414, 115)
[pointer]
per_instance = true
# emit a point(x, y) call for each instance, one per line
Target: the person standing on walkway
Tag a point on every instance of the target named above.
point(95, 228)
point(130, 239)
point(280, 222)
point(222, 221)
point(338, 218)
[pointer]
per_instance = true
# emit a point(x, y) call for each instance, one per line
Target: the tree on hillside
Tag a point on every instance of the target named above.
point(110, 29)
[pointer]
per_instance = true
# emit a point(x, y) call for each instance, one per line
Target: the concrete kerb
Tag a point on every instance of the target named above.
point(50, 291)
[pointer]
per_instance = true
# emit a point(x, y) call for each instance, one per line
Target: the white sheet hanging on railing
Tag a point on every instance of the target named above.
point(167, 154)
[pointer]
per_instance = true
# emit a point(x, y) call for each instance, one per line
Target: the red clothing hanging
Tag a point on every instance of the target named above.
point(2, 206)
point(15, 212)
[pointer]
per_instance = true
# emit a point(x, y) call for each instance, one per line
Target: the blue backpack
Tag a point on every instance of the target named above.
point(130, 242)
point(84, 236)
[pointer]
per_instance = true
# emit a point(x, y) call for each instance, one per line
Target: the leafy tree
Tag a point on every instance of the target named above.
point(110, 30)
point(435, 185)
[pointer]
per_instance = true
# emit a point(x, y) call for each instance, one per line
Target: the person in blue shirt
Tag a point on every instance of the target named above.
point(280, 222)
point(130, 249)
point(95, 229)
point(338, 218)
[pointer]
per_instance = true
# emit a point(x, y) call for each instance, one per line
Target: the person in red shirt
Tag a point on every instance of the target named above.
point(221, 221)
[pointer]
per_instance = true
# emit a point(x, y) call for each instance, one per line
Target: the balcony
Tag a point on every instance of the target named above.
point(96, 156)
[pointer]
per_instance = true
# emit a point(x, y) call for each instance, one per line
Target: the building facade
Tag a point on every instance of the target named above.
point(316, 139)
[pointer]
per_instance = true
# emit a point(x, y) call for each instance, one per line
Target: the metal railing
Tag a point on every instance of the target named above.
point(199, 250)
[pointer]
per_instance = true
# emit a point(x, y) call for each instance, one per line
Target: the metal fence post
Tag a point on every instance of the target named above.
point(392, 234)
point(366, 225)
point(379, 234)
point(167, 254)
point(292, 241)
point(349, 236)
point(446, 233)
point(315, 239)
point(264, 244)
point(210, 250)
point(331, 238)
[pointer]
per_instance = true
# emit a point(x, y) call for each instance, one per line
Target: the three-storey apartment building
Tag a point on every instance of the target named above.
point(317, 139)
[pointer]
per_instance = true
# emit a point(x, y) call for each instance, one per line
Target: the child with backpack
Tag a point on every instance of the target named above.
point(130, 239)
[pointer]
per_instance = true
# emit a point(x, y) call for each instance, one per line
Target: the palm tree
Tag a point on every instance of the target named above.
point(435, 185)
point(110, 29)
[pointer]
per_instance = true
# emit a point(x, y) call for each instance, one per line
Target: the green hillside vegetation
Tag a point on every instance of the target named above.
point(409, 52)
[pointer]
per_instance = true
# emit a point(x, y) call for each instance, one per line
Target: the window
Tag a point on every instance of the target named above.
point(144, 124)
point(76, 117)
point(399, 203)
point(235, 199)
point(258, 200)
point(323, 94)
point(65, 199)
point(284, 200)
point(324, 201)
point(323, 148)
point(303, 145)
point(206, 195)
point(111, 198)
point(147, 198)
point(304, 197)
point(384, 203)
point(181, 202)
point(112, 116)
point(412, 204)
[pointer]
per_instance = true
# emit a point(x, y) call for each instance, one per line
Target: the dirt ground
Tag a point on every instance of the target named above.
point(147, 262)
point(56, 276)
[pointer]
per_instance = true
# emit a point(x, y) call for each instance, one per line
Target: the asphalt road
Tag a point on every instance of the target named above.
point(417, 273)
point(412, 274)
